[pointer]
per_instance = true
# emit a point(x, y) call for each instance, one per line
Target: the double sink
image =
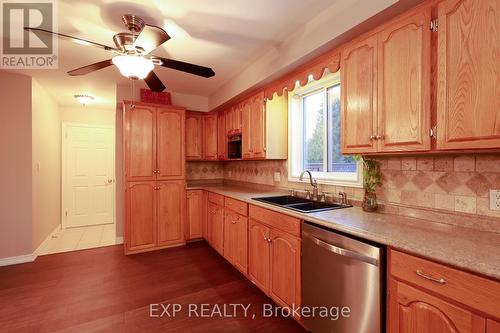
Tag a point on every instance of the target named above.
point(300, 204)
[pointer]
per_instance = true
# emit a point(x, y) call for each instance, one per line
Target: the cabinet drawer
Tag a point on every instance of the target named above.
point(277, 220)
point(239, 207)
point(216, 199)
point(477, 292)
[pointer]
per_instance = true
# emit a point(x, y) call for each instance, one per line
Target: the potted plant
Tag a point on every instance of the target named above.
point(371, 180)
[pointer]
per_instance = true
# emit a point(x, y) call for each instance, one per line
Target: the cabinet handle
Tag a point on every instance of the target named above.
point(378, 137)
point(233, 222)
point(266, 239)
point(372, 137)
point(430, 278)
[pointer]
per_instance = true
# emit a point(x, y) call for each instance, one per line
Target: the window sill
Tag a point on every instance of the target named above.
point(330, 182)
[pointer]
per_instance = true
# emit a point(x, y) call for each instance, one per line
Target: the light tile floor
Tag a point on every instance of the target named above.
point(72, 239)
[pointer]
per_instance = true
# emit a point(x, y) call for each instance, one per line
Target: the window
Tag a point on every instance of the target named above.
point(314, 134)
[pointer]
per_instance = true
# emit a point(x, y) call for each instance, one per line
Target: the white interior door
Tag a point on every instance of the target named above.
point(88, 159)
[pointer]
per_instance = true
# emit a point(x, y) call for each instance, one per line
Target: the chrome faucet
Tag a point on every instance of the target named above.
point(313, 182)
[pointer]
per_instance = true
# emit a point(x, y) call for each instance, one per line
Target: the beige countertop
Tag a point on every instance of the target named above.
point(467, 249)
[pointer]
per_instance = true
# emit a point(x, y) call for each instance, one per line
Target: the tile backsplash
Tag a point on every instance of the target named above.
point(450, 183)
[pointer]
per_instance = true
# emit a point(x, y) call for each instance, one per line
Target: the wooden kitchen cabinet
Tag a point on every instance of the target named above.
point(210, 136)
point(234, 120)
point(194, 136)
point(468, 98)
point(404, 84)
point(246, 131)
point(140, 216)
point(259, 255)
point(221, 136)
point(492, 326)
point(170, 144)
point(170, 198)
point(258, 125)
point(194, 204)
point(140, 142)
point(285, 268)
point(235, 239)
point(215, 227)
point(386, 89)
point(414, 311)
point(359, 97)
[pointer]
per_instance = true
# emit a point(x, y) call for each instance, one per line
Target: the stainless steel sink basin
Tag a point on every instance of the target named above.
point(300, 204)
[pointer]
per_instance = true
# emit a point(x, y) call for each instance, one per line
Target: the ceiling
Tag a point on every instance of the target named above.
point(226, 35)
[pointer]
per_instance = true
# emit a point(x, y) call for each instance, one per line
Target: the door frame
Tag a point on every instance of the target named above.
point(64, 127)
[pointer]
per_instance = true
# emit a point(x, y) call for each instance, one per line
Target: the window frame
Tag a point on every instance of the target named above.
point(295, 158)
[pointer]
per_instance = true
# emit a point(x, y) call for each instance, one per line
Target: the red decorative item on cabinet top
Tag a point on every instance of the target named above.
point(149, 96)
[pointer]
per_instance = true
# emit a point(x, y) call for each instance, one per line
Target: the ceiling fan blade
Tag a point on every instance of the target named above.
point(150, 38)
point(186, 67)
point(90, 68)
point(71, 38)
point(154, 83)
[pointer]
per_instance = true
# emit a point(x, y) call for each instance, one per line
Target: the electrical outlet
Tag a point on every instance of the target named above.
point(277, 177)
point(495, 199)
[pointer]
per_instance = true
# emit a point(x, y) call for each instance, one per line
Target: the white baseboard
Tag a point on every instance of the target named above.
point(17, 260)
point(119, 240)
point(36, 253)
point(28, 257)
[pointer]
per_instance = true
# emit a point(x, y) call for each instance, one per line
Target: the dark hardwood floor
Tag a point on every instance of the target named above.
point(102, 290)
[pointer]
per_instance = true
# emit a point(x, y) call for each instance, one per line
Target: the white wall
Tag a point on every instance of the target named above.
point(88, 115)
point(46, 162)
point(15, 165)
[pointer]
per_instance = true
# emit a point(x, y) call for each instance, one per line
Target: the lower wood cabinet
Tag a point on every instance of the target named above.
point(274, 258)
point(194, 220)
point(154, 215)
point(215, 227)
point(235, 239)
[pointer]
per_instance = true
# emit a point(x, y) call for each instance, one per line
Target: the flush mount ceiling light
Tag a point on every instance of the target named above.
point(132, 66)
point(84, 99)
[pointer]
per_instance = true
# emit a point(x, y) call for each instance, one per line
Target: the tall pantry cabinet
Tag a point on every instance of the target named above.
point(154, 167)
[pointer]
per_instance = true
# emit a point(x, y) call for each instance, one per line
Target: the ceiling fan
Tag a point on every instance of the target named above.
point(132, 51)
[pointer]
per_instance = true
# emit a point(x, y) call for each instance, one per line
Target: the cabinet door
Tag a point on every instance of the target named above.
point(194, 214)
point(258, 126)
point(216, 227)
point(413, 311)
point(404, 84)
point(359, 97)
point(140, 143)
point(492, 326)
point(140, 216)
point(468, 100)
point(259, 255)
point(221, 136)
point(204, 214)
point(246, 130)
point(171, 198)
point(170, 144)
point(194, 136)
point(210, 137)
point(235, 239)
point(285, 268)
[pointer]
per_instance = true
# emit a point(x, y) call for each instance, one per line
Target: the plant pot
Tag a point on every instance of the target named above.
point(370, 202)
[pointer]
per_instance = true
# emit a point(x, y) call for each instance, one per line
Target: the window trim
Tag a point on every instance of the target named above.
point(295, 104)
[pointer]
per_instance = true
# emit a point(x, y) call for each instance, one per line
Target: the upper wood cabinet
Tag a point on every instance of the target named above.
point(210, 136)
point(359, 97)
point(468, 98)
point(194, 136)
point(194, 211)
point(140, 142)
point(404, 84)
point(221, 136)
point(386, 89)
point(154, 142)
point(492, 326)
point(170, 135)
point(246, 131)
point(234, 120)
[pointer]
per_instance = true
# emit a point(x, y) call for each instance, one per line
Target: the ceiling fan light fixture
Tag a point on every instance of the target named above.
point(133, 67)
point(84, 99)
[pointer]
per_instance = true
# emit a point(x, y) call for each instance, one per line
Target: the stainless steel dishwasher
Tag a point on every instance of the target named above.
point(340, 273)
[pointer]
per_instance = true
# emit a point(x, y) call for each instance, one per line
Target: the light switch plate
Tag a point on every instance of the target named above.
point(495, 199)
point(277, 177)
